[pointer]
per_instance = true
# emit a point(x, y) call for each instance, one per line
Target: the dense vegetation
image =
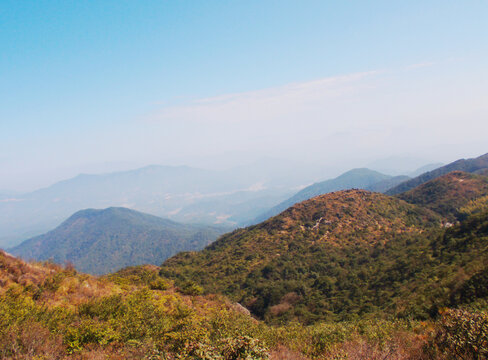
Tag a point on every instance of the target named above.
point(354, 254)
point(347, 275)
point(49, 312)
point(449, 194)
point(101, 241)
point(336, 256)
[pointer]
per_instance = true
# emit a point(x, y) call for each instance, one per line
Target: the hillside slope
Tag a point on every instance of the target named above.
point(467, 165)
point(448, 194)
point(51, 312)
point(101, 241)
point(354, 179)
point(310, 262)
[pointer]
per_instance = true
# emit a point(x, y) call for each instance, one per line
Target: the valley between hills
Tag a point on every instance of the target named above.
point(343, 272)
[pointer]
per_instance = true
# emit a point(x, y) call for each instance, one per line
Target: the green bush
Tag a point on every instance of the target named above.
point(191, 288)
point(104, 308)
point(159, 284)
point(88, 332)
point(243, 348)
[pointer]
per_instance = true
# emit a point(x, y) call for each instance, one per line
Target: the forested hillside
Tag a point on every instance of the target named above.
point(350, 254)
point(450, 195)
point(320, 259)
point(50, 312)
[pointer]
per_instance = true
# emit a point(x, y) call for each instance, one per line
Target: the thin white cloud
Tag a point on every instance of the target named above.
point(389, 110)
point(267, 104)
point(420, 65)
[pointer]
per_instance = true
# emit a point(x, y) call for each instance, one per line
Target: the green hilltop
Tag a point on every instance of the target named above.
point(312, 262)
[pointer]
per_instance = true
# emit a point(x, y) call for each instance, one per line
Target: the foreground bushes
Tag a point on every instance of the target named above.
point(148, 324)
point(138, 315)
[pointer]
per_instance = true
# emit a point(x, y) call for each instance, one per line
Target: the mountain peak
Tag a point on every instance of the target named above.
point(356, 178)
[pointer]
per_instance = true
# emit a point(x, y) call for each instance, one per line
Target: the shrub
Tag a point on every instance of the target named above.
point(190, 288)
point(199, 351)
point(104, 308)
point(159, 284)
point(462, 333)
point(30, 341)
point(243, 348)
point(88, 332)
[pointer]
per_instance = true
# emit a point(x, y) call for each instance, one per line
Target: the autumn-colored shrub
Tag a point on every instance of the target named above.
point(199, 351)
point(31, 341)
point(462, 334)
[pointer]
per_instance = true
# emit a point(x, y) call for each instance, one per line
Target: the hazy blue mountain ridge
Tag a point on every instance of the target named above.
point(102, 241)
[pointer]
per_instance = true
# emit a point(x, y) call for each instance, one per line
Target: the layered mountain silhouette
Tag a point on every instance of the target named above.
point(475, 165)
point(179, 193)
point(102, 241)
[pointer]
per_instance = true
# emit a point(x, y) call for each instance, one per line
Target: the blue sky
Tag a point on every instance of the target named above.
point(137, 82)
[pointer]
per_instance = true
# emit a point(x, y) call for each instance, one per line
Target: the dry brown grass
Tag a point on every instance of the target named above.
point(32, 341)
point(283, 353)
point(13, 270)
point(404, 346)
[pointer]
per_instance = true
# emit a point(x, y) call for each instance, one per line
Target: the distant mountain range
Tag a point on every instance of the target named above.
point(102, 241)
point(232, 197)
point(375, 181)
point(237, 197)
point(402, 165)
point(183, 194)
point(424, 169)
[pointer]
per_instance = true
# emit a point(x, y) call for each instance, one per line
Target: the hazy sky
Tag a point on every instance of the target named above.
point(100, 85)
